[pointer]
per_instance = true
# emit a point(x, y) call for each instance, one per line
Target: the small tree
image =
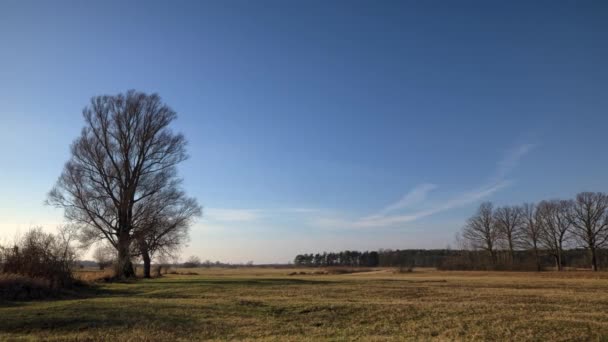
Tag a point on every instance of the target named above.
point(531, 231)
point(104, 255)
point(165, 228)
point(481, 230)
point(508, 221)
point(554, 219)
point(589, 218)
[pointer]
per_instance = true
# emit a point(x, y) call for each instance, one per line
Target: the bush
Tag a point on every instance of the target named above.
point(405, 269)
point(161, 269)
point(40, 256)
point(192, 262)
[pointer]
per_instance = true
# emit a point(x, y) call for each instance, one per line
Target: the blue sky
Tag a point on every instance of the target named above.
point(318, 125)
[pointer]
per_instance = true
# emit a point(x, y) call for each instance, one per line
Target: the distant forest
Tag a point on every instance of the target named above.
point(445, 259)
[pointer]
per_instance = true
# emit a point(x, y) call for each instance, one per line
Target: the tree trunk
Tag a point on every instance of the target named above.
point(124, 267)
point(511, 253)
point(493, 257)
point(559, 256)
point(146, 256)
point(558, 261)
point(593, 259)
point(537, 258)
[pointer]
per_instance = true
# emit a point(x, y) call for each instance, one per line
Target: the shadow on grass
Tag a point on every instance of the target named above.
point(129, 305)
point(240, 282)
point(81, 291)
point(74, 316)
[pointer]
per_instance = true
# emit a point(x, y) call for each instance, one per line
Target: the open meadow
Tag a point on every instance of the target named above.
point(297, 304)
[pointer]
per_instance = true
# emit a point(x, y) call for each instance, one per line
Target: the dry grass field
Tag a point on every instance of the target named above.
point(270, 304)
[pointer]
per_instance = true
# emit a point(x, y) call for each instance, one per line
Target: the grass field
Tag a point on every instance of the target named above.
point(270, 304)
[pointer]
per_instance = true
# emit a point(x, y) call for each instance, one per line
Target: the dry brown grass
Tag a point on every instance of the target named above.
point(16, 287)
point(91, 275)
point(267, 304)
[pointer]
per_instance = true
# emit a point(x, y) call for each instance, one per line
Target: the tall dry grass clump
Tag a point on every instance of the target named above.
point(19, 287)
point(36, 265)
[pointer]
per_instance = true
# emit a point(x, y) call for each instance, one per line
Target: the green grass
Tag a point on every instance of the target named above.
point(267, 304)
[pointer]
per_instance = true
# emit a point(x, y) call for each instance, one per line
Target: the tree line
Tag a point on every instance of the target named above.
point(344, 258)
point(451, 259)
point(380, 258)
point(547, 228)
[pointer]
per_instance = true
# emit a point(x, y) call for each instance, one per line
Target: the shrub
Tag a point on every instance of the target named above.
point(42, 256)
point(346, 270)
point(161, 269)
point(405, 269)
point(192, 262)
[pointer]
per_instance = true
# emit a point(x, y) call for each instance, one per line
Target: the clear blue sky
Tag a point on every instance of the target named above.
point(318, 125)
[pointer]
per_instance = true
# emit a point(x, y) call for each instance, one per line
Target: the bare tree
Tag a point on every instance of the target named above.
point(589, 218)
point(166, 226)
point(531, 231)
point(508, 222)
point(104, 255)
point(480, 230)
point(125, 155)
point(554, 220)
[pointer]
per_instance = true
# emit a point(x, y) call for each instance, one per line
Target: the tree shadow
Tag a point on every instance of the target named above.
point(72, 317)
point(80, 291)
point(241, 282)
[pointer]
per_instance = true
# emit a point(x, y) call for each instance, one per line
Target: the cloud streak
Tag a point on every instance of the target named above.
point(388, 217)
point(250, 215)
point(231, 215)
point(417, 195)
point(394, 214)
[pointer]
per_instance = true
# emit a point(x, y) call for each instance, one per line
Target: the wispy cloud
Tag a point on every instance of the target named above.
point(388, 217)
point(250, 215)
point(298, 210)
point(511, 160)
point(416, 195)
point(458, 201)
point(231, 215)
point(405, 210)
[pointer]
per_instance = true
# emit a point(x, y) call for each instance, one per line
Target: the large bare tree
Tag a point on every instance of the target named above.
point(125, 158)
point(481, 231)
point(531, 231)
point(589, 217)
point(554, 220)
point(508, 221)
